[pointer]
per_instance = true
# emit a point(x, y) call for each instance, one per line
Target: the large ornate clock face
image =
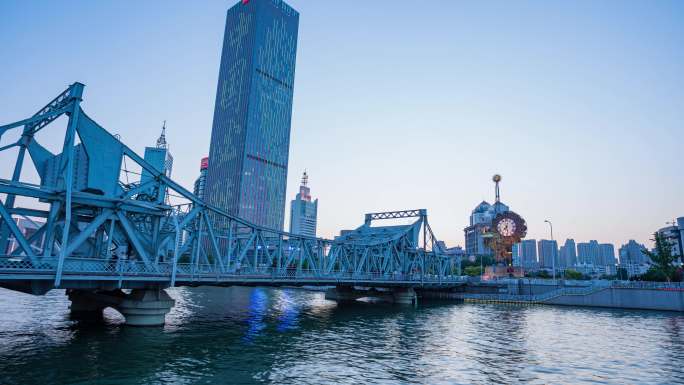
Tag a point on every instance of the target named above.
point(510, 226)
point(506, 227)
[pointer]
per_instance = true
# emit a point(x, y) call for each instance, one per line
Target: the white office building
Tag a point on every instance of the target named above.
point(303, 211)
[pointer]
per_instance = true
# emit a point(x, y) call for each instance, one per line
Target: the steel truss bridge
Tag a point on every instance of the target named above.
point(95, 229)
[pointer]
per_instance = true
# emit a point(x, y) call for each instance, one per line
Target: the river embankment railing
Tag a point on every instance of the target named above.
point(564, 288)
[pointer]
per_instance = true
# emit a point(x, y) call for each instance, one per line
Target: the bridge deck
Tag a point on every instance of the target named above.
point(94, 226)
point(91, 273)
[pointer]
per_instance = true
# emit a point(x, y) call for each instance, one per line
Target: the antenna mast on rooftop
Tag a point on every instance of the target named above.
point(305, 178)
point(161, 142)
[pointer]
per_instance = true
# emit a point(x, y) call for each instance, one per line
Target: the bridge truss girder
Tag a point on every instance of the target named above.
point(99, 225)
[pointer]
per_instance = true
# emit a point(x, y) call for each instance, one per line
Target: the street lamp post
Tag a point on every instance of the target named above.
point(553, 257)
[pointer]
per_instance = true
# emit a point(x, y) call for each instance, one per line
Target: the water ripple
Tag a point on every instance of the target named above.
point(259, 335)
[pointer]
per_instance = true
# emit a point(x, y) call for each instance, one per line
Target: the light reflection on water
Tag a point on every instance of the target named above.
point(262, 335)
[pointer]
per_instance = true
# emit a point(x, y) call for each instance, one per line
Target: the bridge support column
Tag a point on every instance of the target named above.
point(146, 307)
point(405, 296)
point(341, 294)
point(84, 306)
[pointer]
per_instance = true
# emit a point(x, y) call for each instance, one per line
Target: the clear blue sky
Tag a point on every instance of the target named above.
point(400, 104)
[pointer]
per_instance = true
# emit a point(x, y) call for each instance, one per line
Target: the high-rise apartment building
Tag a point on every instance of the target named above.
point(568, 254)
point(303, 211)
point(525, 254)
point(606, 254)
point(588, 253)
point(528, 253)
point(632, 253)
point(250, 138)
point(633, 259)
point(548, 253)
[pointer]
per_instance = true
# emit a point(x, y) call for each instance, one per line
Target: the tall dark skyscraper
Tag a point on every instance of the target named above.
point(250, 137)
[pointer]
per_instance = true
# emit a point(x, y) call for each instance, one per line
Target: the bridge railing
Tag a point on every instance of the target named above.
point(129, 269)
point(505, 297)
point(589, 287)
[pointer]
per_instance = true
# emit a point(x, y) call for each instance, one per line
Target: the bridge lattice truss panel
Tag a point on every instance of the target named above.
point(93, 224)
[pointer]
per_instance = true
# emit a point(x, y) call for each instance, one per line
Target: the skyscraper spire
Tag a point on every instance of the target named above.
point(161, 142)
point(305, 179)
point(304, 191)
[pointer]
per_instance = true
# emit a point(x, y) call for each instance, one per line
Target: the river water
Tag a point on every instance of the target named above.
point(289, 336)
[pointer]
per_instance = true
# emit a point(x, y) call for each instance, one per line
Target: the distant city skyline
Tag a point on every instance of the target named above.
point(584, 123)
point(590, 258)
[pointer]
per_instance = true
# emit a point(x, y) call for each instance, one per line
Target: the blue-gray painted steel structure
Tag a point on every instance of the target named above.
point(102, 231)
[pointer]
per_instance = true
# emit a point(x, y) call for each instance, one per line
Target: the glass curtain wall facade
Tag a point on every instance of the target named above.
point(250, 138)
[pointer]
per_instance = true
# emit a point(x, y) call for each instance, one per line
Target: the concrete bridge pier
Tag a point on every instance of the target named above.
point(146, 307)
point(405, 296)
point(341, 294)
point(142, 307)
point(84, 306)
point(398, 295)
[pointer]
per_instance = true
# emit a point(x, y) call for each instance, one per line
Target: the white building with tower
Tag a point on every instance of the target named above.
point(481, 219)
point(303, 211)
point(160, 158)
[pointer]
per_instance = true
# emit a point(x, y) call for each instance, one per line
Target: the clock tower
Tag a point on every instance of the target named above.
point(508, 228)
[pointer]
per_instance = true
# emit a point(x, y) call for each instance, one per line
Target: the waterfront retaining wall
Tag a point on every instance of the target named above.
point(626, 298)
point(647, 296)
